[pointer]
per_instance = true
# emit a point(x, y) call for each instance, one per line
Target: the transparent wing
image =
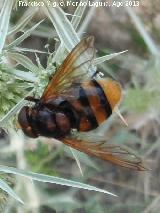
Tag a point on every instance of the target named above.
point(113, 153)
point(77, 67)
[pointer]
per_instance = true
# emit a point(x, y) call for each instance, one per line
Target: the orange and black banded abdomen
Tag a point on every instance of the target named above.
point(95, 102)
point(84, 107)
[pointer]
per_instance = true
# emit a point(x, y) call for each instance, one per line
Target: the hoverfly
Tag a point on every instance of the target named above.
point(75, 99)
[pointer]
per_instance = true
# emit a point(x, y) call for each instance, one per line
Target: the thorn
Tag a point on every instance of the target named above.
point(116, 110)
point(77, 161)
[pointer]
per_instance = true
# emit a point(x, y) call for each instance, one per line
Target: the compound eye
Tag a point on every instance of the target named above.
point(23, 119)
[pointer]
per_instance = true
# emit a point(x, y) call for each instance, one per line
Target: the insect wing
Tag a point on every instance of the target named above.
point(77, 67)
point(113, 153)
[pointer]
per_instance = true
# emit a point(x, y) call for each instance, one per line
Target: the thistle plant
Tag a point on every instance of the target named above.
point(19, 77)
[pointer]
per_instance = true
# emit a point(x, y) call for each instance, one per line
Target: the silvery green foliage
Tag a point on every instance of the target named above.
point(15, 82)
point(35, 76)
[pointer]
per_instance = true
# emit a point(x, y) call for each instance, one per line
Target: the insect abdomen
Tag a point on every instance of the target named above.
point(95, 102)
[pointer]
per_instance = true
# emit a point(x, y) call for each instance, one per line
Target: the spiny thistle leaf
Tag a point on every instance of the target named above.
point(24, 61)
point(24, 20)
point(63, 26)
point(25, 35)
point(4, 21)
point(52, 179)
point(107, 57)
point(78, 14)
point(4, 186)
